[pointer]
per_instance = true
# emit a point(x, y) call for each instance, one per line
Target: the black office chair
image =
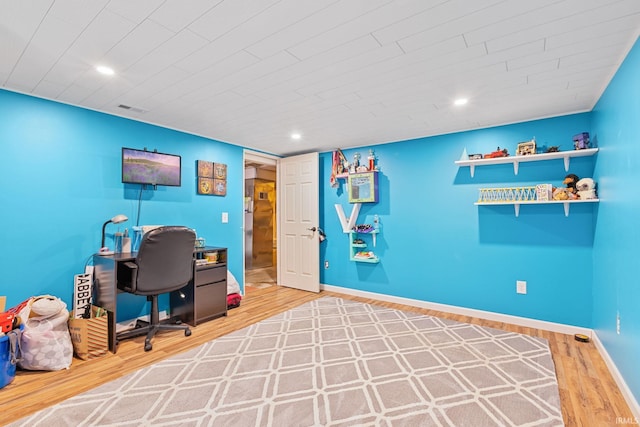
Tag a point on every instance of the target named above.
point(164, 264)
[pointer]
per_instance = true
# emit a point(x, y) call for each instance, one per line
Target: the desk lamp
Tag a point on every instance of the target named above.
point(116, 220)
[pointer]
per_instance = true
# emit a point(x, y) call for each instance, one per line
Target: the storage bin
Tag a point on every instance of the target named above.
point(9, 354)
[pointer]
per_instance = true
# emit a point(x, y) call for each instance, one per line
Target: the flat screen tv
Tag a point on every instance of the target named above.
point(149, 167)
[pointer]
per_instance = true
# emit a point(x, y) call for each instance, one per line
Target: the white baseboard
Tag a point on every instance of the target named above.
point(514, 320)
point(125, 325)
point(617, 377)
point(488, 315)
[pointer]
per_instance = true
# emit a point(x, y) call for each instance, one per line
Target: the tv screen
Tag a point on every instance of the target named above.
point(148, 167)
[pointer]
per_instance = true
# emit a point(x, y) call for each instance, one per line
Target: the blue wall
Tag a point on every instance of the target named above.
point(61, 180)
point(616, 124)
point(436, 246)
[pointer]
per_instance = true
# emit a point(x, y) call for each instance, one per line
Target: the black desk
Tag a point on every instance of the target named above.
point(203, 298)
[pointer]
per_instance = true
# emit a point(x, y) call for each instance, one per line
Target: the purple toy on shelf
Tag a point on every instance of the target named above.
point(581, 141)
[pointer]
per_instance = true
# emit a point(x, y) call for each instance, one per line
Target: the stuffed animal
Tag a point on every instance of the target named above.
point(568, 193)
point(560, 194)
point(586, 189)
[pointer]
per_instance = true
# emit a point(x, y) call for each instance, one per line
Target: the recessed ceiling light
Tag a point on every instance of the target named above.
point(460, 101)
point(105, 70)
point(296, 136)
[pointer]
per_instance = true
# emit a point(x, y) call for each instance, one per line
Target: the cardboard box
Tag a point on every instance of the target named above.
point(90, 337)
point(6, 319)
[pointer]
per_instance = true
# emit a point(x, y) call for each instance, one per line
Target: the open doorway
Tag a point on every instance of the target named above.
point(260, 221)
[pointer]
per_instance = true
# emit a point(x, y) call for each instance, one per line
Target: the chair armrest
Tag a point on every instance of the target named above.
point(128, 276)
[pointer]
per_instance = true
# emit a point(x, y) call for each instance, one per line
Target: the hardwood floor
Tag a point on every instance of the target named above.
point(260, 278)
point(588, 393)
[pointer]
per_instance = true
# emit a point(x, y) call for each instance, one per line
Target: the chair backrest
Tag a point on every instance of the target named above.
point(165, 260)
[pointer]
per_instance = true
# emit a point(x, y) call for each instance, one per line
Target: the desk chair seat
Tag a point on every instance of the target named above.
point(164, 263)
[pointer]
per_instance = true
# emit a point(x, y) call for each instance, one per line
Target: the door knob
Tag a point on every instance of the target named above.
point(312, 229)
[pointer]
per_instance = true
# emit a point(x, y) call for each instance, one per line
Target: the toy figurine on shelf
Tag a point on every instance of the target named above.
point(526, 148)
point(372, 160)
point(581, 141)
point(497, 153)
point(355, 163)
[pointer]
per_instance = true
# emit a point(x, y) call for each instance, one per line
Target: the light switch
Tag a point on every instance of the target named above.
point(225, 217)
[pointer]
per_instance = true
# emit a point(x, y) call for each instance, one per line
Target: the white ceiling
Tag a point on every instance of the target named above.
point(343, 73)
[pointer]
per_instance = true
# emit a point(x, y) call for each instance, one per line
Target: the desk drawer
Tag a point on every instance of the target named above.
point(211, 274)
point(210, 301)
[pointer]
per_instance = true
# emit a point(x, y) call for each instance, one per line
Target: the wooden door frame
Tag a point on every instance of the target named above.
point(267, 159)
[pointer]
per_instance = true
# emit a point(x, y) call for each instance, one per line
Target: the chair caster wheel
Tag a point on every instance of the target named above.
point(187, 332)
point(147, 347)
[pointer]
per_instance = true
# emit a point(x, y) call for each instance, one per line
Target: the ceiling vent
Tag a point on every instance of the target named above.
point(134, 109)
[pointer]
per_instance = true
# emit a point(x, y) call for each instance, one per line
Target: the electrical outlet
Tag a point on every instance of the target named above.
point(521, 287)
point(326, 265)
point(618, 323)
point(225, 217)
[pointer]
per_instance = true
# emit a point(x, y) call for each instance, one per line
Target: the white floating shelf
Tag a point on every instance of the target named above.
point(516, 205)
point(516, 160)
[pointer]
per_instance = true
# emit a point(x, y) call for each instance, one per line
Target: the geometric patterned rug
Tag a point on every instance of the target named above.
point(334, 362)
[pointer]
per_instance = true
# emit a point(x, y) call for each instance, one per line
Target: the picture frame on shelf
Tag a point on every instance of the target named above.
point(363, 187)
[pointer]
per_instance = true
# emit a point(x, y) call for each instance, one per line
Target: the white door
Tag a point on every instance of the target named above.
point(298, 242)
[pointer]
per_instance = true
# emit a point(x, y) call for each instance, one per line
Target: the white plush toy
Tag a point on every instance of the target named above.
point(586, 189)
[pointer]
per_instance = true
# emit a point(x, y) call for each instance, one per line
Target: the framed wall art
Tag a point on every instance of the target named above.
point(205, 168)
point(205, 185)
point(220, 187)
point(220, 171)
point(212, 178)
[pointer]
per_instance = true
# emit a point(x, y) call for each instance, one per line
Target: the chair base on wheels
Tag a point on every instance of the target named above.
point(150, 331)
point(154, 326)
